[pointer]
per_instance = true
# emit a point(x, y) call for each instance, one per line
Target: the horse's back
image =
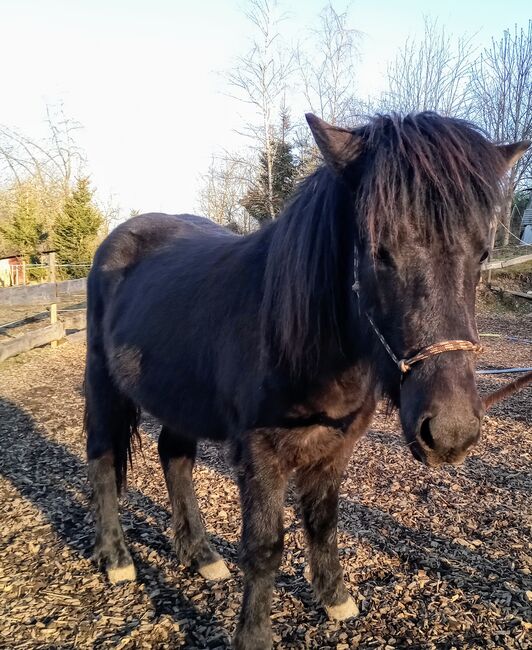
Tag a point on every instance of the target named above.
point(149, 233)
point(134, 241)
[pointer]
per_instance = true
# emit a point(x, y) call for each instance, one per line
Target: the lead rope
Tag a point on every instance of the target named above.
point(405, 365)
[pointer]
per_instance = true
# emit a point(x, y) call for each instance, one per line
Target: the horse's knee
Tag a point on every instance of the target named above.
point(261, 554)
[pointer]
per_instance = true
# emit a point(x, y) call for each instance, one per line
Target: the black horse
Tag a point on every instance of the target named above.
point(283, 341)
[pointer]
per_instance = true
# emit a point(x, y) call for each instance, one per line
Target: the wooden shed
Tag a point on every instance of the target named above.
point(12, 269)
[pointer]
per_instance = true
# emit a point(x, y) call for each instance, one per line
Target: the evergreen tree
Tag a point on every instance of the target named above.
point(284, 172)
point(77, 229)
point(25, 231)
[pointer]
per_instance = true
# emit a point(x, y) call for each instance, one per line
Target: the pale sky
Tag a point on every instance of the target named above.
point(143, 77)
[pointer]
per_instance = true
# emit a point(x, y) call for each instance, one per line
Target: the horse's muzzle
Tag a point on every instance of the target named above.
point(445, 437)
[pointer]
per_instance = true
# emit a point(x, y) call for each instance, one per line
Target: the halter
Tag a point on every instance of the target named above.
point(405, 365)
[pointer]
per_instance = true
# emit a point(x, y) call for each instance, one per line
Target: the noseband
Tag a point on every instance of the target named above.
point(405, 365)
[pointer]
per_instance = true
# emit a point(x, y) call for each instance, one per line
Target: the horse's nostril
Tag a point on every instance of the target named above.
point(425, 434)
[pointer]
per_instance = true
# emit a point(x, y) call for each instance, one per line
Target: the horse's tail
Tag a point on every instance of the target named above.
point(111, 419)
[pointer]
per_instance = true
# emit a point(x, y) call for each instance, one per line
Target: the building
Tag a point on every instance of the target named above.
point(12, 269)
point(526, 223)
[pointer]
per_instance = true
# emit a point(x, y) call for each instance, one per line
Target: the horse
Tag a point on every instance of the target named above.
point(283, 341)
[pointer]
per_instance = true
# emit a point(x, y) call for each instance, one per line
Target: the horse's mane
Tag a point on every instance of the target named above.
point(424, 175)
point(308, 272)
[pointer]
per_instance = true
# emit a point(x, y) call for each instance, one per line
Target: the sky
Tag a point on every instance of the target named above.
point(145, 79)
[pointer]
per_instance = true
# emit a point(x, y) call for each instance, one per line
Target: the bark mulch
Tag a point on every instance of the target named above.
point(436, 558)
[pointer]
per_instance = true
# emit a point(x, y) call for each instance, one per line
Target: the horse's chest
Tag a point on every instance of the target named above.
point(325, 426)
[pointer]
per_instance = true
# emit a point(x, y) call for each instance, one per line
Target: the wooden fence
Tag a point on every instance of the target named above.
point(502, 264)
point(52, 294)
point(42, 294)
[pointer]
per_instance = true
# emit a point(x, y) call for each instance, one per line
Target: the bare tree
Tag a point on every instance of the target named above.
point(53, 159)
point(501, 85)
point(260, 79)
point(326, 65)
point(431, 74)
point(36, 178)
point(43, 168)
point(225, 183)
point(63, 151)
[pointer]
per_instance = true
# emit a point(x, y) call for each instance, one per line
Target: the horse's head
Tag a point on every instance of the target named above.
point(426, 189)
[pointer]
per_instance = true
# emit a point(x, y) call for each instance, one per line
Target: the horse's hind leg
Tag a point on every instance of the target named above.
point(110, 548)
point(318, 487)
point(109, 420)
point(178, 454)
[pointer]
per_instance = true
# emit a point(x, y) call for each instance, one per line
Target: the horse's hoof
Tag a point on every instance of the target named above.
point(343, 611)
point(122, 574)
point(215, 570)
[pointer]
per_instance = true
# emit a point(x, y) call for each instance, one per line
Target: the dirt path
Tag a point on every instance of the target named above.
point(436, 558)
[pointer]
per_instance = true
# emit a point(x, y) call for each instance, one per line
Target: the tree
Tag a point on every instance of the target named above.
point(77, 229)
point(327, 67)
point(431, 75)
point(501, 85)
point(225, 183)
point(35, 180)
point(260, 79)
point(49, 164)
point(263, 196)
point(24, 231)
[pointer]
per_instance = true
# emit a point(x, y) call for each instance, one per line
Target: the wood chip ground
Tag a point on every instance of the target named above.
point(437, 559)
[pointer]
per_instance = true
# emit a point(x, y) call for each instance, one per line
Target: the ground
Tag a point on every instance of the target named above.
point(435, 558)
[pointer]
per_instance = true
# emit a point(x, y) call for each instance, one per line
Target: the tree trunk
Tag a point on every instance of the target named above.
point(269, 161)
point(506, 215)
point(505, 219)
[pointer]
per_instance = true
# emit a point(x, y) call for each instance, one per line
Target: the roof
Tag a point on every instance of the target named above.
point(6, 253)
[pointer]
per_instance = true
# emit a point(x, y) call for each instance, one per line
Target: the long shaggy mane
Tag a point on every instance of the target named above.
point(429, 173)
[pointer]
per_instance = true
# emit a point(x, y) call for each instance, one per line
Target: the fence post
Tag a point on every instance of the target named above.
point(52, 278)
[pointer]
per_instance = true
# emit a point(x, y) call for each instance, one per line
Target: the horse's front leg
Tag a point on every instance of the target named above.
point(318, 487)
point(262, 483)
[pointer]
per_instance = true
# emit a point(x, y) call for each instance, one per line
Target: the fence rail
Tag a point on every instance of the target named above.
point(42, 294)
point(30, 340)
point(502, 264)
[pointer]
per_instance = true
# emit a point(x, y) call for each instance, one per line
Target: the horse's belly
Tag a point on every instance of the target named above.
point(173, 397)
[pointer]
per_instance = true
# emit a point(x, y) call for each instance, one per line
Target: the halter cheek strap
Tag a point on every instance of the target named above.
point(405, 365)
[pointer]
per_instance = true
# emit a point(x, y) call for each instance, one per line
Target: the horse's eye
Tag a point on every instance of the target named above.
point(484, 256)
point(384, 257)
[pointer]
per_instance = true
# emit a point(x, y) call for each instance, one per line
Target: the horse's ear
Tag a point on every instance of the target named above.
point(513, 152)
point(337, 146)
